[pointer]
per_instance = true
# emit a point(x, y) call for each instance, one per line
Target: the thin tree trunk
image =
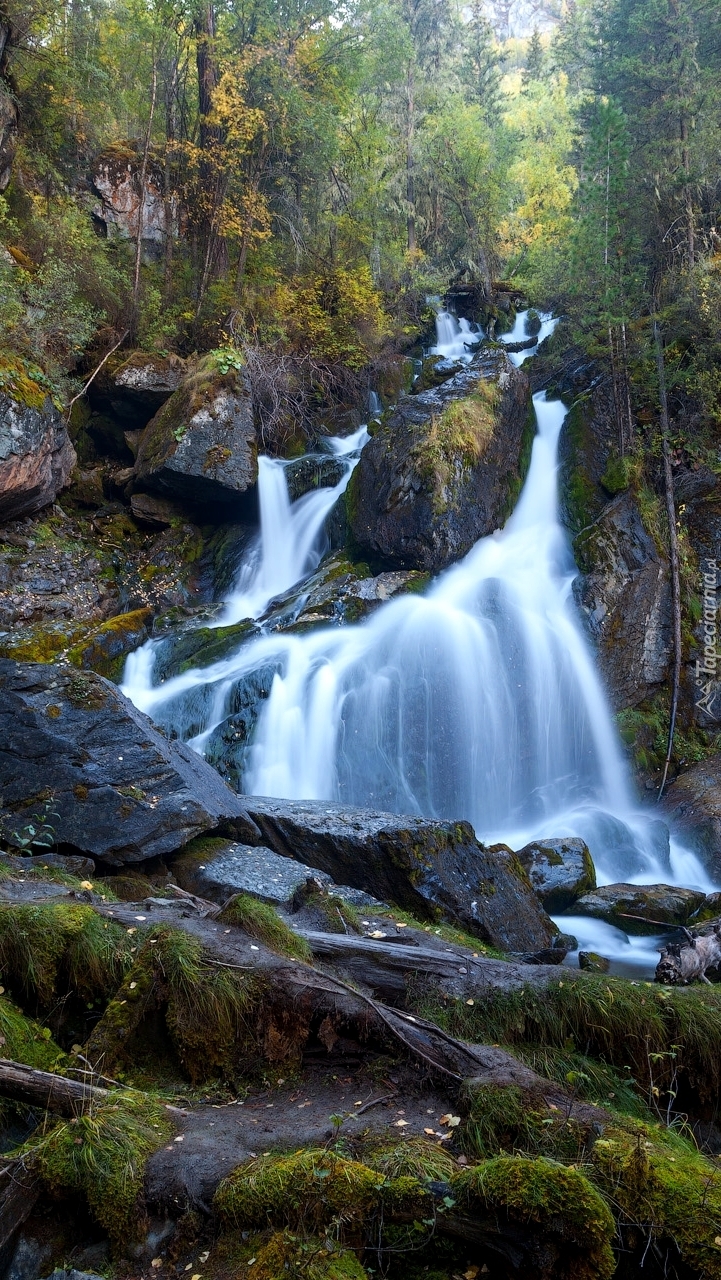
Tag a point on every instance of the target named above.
point(690, 225)
point(143, 179)
point(410, 163)
point(673, 549)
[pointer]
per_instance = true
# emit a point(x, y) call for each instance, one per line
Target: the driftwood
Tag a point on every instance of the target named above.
point(684, 962)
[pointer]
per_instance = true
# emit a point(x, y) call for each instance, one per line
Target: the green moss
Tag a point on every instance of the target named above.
point(24, 1040)
point(644, 730)
point(285, 1256)
point(208, 1011)
point(561, 1201)
point(23, 380)
point(613, 1019)
point(39, 644)
point(460, 435)
point(312, 1187)
point(621, 473)
point(48, 949)
point(103, 1155)
point(261, 921)
point(524, 461)
point(415, 1158)
point(664, 1186)
point(105, 648)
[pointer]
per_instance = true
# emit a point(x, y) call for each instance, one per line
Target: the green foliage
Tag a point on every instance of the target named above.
point(260, 920)
point(49, 949)
point(208, 1010)
point(458, 437)
point(102, 1154)
point(24, 1040)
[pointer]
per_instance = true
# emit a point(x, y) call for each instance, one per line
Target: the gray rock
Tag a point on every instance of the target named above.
point(73, 865)
point(426, 867)
point(559, 870)
point(692, 805)
point(625, 598)
point(119, 791)
point(655, 903)
point(145, 381)
point(152, 511)
point(201, 446)
point(220, 868)
point(313, 471)
point(415, 497)
point(29, 1259)
point(592, 962)
point(36, 457)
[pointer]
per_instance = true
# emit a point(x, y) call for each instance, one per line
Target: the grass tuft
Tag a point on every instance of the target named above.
point(49, 949)
point(261, 921)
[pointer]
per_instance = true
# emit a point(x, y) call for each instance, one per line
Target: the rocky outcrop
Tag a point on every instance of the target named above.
point(112, 786)
point(201, 446)
point(444, 467)
point(138, 386)
point(116, 181)
point(629, 905)
point(36, 456)
point(8, 135)
point(692, 806)
point(313, 471)
point(429, 868)
point(624, 595)
point(560, 870)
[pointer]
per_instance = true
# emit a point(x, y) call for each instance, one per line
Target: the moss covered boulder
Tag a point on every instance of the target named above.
point(692, 804)
point(36, 453)
point(629, 906)
point(559, 870)
point(445, 467)
point(201, 446)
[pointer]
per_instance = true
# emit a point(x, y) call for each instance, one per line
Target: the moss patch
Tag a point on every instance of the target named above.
point(49, 949)
point(457, 437)
point(261, 921)
point(103, 1155)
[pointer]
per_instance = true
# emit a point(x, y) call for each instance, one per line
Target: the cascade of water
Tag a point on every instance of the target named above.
point(519, 333)
point(291, 542)
point(454, 338)
point(479, 700)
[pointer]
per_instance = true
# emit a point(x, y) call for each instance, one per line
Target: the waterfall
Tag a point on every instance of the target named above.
point(454, 338)
point(291, 542)
point(479, 700)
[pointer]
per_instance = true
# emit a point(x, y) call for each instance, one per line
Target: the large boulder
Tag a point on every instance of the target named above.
point(427, 867)
point(560, 870)
point(314, 471)
point(630, 906)
point(624, 594)
point(692, 806)
point(201, 446)
point(445, 466)
point(140, 385)
point(36, 455)
point(113, 787)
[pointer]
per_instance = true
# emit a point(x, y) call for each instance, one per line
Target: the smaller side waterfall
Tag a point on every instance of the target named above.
point(291, 541)
point(519, 333)
point(454, 337)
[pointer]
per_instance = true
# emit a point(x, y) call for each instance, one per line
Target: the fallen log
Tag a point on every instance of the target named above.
point(55, 1093)
point(19, 1193)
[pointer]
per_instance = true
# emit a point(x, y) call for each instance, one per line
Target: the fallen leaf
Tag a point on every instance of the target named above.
point(140, 917)
point(179, 1138)
point(204, 1256)
point(401, 924)
point(377, 933)
point(133, 985)
point(718, 1241)
point(444, 1119)
point(453, 1122)
point(157, 1262)
point(461, 1160)
point(253, 949)
point(469, 1002)
point(400, 1123)
point(429, 1130)
point(85, 884)
point(471, 1273)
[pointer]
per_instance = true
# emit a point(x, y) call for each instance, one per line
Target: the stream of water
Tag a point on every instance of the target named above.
point(478, 700)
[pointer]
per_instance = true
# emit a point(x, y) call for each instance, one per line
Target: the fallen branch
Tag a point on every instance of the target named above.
point(57, 1094)
point(94, 374)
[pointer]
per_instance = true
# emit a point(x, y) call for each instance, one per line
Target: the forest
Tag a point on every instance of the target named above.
point(360, 684)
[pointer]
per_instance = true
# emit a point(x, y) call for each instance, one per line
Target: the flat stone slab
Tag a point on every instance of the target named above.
point(630, 906)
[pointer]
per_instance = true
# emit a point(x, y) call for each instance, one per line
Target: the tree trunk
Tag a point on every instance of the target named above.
point(410, 161)
point(673, 549)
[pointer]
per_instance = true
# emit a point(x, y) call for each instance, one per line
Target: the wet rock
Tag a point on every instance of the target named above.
point(119, 791)
point(340, 591)
point(87, 488)
point(592, 962)
point(692, 805)
point(560, 870)
point(444, 468)
point(216, 869)
point(629, 906)
point(624, 595)
point(313, 471)
point(107, 647)
point(36, 456)
point(154, 512)
point(710, 910)
point(423, 866)
point(201, 446)
point(30, 1259)
point(435, 370)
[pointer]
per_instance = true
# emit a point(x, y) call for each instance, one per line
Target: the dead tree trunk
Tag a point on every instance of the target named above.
point(673, 549)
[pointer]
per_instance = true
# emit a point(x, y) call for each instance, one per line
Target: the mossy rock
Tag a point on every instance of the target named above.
point(107, 647)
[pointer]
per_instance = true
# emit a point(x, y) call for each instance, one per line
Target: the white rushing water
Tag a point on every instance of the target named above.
point(455, 339)
point(291, 542)
point(479, 700)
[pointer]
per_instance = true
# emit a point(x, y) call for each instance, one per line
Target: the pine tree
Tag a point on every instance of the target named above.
point(483, 63)
point(533, 69)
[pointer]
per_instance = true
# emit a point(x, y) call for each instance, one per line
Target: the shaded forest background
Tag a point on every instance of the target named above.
point(313, 177)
